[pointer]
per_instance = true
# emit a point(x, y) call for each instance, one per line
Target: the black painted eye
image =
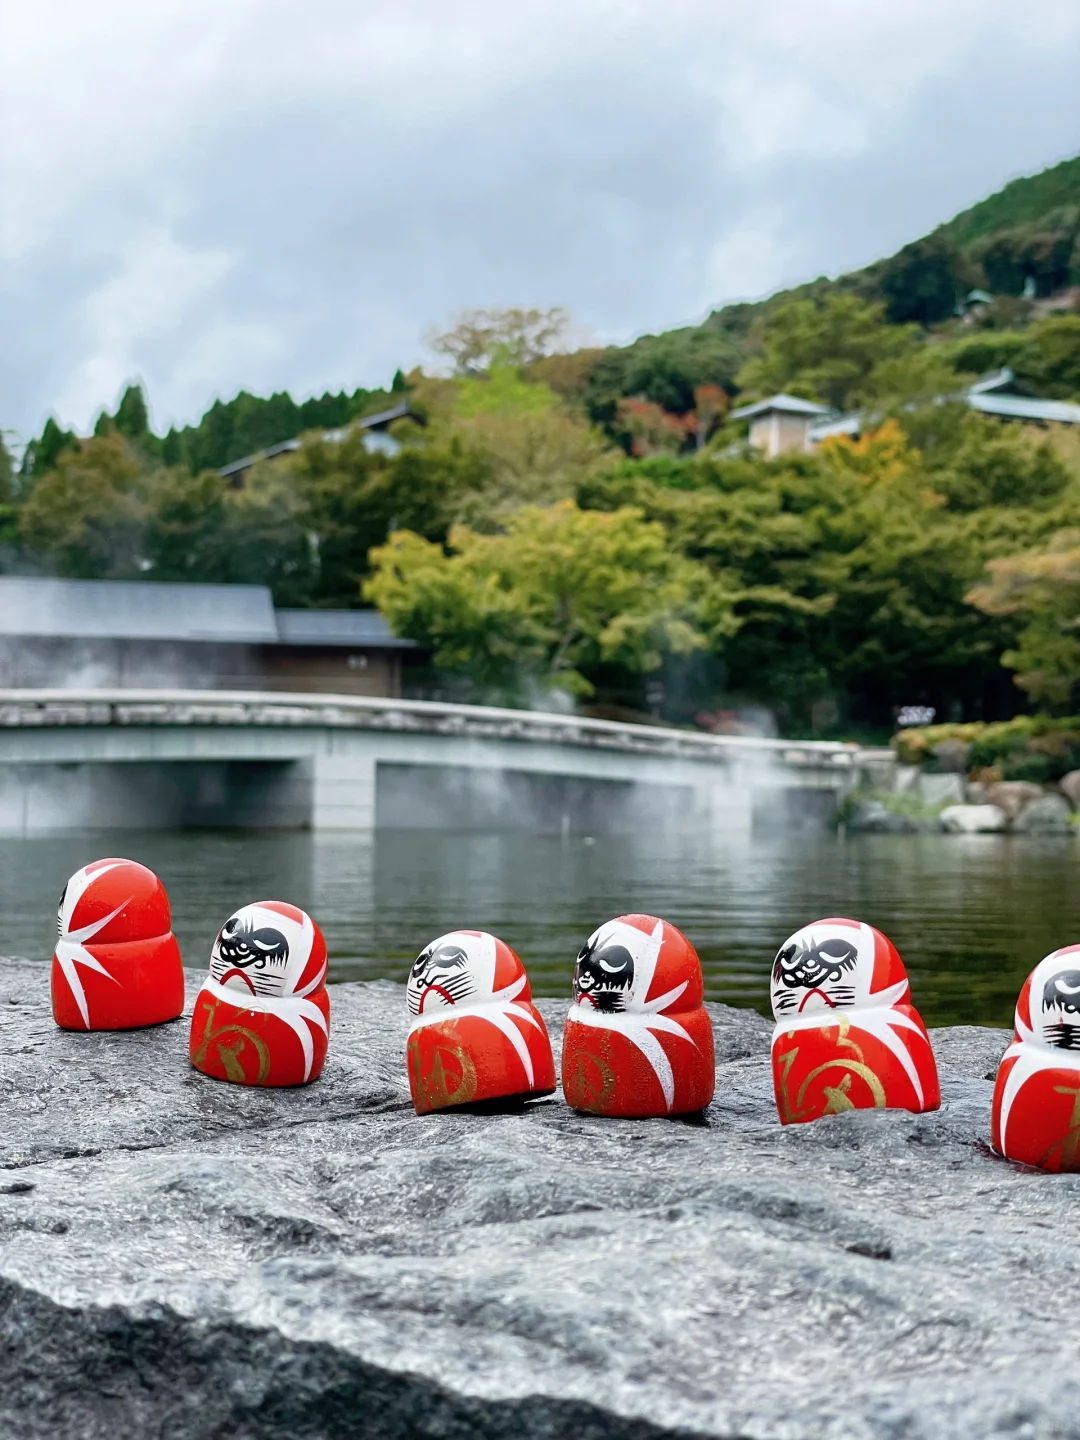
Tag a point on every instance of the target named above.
point(1062, 991)
point(838, 949)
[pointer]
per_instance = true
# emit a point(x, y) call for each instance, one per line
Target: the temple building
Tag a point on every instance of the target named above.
point(784, 423)
point(134, 634)
point(781, 423)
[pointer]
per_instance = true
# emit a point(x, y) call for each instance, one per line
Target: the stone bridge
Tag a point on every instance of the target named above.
point(71, 759)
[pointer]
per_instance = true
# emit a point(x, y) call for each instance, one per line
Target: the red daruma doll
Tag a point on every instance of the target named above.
point(1036, 1117)
point(847, 1036)
point(263, 1015)
point(117, 964)
point(638, 1040)
point(476, 1035)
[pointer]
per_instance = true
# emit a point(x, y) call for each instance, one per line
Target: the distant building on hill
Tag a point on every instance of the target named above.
point(155, 635)
point(784, 423)
point(376, 436)
point(781, 423)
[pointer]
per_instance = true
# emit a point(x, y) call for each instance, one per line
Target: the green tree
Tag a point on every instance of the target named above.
point(561, 593)
point(983, 464)
point(7, 474)
point(42, 454)
point(87, 517)
point(9, 508)
point(924, 281)
point(231, 430)
point(478, 339)
point(664, 370)
point(1041, 252)
point(347, 501)
point(826, 351)
point(848, 567)
point(1048, 362)
point(1041, 587)
point(132, 418)
point(501, 390)
point(188, 531)
point(524, 459)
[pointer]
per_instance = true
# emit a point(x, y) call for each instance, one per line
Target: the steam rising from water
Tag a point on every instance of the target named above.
point(31, 663)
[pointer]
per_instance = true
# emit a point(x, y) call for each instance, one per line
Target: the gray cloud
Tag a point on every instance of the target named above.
point(296, 200)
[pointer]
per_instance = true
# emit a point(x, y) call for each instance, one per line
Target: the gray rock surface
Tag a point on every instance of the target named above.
point(1013, 795)
point(1069, 785)
point(871, 817)
point(183, 1260)
point(972, 819)
point(1047, 815)
point(951, 756)
point(946, 789)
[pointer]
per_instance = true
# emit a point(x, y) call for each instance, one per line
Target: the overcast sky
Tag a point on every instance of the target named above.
point(215, 194)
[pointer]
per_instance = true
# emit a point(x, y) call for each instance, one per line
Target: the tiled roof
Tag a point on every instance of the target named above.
point(160, 610)
point(786, 404)
point(363, 628)
point(364, 422)
point(136, 610)
point(1023, 407)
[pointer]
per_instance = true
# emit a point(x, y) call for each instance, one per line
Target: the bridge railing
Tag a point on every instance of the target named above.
point(33, 709)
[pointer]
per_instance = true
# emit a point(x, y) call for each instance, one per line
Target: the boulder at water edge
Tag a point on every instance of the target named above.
point(1049, 815)
point(188, 1261)
point(1012, 795)
point(972, 819)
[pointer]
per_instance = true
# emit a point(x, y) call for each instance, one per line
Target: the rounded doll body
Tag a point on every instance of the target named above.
point(262, 1016)
point(638, 1040)
point(1036, 1113)
point(475, 1034)
point(117, 963)
point(847, 1036)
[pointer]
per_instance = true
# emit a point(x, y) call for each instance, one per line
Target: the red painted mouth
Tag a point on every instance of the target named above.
point(243, 976)
point(807, 996)
point(436, 990)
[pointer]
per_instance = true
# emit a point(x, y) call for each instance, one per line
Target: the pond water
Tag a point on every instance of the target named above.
point(971, 915)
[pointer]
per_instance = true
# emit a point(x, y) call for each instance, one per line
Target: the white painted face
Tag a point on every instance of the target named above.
point(1055, 1000)
point(615, 967)
point(823, 967)
point(262, 952)
point(456, 969)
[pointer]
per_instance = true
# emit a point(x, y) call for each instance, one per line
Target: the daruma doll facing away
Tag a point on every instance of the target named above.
point(117, 964)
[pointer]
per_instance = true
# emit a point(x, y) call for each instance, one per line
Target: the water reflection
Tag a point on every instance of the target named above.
point(970, 914)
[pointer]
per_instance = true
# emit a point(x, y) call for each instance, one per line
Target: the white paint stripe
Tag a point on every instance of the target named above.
point(638, 1030)
point(69, 955)
point(299, 1014)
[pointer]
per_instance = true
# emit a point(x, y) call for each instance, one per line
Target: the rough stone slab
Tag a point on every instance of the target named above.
point(186, 1260)
point(972, 819)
